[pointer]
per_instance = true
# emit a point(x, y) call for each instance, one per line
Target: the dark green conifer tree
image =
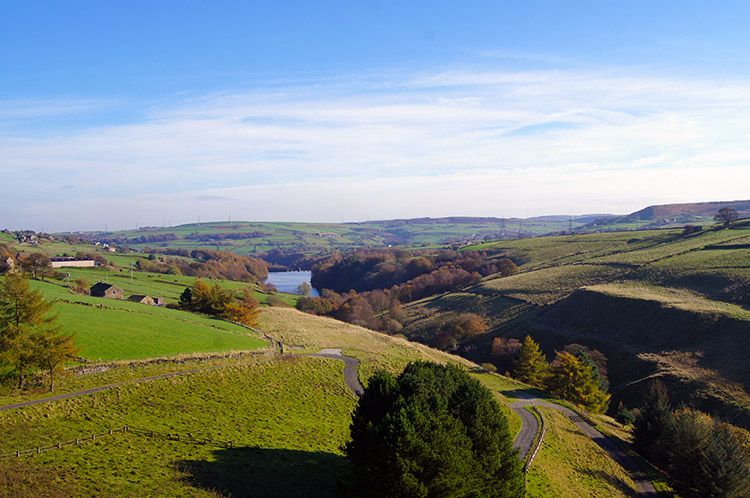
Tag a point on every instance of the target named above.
point(432, 432)
point(653, 426)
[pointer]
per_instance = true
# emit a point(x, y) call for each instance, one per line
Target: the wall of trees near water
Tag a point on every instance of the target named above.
point(368, 287)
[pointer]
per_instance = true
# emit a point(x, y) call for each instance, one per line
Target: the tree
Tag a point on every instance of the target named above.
point(245, 309)
point(688, 449)
point(202, 298)
point(304, 289)
point(504, 352)
point(572, 379)
point(458, 329)
point(29, 335)
point(654, 424)
point(726, 465)
point(531, 366)
point(726, 216)
point(432, 431)
point(52, 350)
point(36, 263)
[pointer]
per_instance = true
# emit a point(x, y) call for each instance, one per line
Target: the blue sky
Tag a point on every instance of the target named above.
point(124, 114)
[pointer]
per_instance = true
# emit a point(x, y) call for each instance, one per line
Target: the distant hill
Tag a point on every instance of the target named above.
point(666, 216)
point(694, 209)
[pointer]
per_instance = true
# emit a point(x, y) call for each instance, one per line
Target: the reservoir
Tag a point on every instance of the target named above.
point(288, 281)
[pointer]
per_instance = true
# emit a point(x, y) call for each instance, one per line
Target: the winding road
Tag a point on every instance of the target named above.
point(529, 430)
point(524, 440)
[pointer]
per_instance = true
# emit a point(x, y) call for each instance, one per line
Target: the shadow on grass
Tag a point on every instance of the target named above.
point(262, 472)
point(613, 481)
point(527, 393)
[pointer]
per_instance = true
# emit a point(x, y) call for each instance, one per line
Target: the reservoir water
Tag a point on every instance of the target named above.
point(288, 281)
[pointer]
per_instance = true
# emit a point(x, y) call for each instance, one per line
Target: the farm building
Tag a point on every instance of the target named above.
point(72, 262)
point(143, 299)
point(107, 290)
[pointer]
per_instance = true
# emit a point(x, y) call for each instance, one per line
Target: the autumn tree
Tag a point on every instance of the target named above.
point(52, 351)
point(203, 298)
point(726, 216)
point(457, 330)
point(531, 366)
point(570, 378)
point(216, 301)
point(504, 352)
point(304, 289)
point(29, 335)
point(244, 309)
point(36, 263)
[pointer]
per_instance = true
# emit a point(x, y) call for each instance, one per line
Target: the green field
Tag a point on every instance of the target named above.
point(319, 238)
point(286, 421)
point(111, 329)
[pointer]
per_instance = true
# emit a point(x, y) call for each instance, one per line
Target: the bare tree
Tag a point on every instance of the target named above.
point(726, 216)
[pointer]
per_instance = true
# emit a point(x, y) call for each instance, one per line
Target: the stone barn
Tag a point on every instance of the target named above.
point(143, 299)
point(107, 290)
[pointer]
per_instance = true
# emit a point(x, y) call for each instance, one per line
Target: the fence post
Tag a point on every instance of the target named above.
point(152, 433)
point(93, 436)
point(76, 441)
point(230, 444)
point(18, 454)
point(110, 432)
point(38, 450)
point(59, 446)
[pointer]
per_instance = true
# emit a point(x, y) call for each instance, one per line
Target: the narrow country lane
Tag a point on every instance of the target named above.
point(526, 437)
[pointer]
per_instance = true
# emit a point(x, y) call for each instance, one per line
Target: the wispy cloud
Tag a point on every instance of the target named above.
point(456, 142)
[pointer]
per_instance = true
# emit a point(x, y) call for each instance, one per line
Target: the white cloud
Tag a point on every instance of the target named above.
point(454, 143)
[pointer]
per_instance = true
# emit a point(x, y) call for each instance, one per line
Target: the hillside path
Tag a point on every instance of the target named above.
point(528, 432)
point(351, 378)
point(351, 369)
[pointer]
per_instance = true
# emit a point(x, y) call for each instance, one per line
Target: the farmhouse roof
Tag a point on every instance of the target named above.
point(102, 286)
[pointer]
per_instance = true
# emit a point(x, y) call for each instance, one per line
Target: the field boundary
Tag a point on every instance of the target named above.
point(171, 436)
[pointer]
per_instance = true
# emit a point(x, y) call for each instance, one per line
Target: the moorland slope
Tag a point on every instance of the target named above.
point(660, 303)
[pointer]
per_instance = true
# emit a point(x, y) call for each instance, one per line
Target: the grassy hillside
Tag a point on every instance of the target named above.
point(657, 303)
point(286, 421)
point(110, 329)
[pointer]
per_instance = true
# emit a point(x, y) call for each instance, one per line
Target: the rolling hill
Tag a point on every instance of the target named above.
point(666, 304)
point(240, 421)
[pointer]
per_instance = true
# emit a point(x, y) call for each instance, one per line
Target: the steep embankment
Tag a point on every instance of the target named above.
point(697, 346)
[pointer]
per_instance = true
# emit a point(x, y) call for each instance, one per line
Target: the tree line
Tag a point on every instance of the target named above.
point(397, 269)
point(367, 288)
point(573, 375)
point(703, 456)
point(207, 264)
